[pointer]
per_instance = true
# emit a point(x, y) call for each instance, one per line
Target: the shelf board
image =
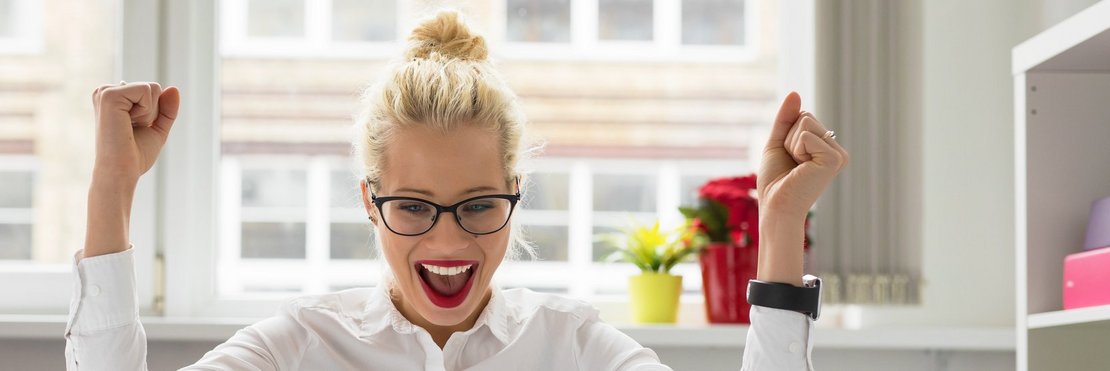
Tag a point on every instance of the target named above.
point(1079, 43)
point(1099, 315)
point(878, 338)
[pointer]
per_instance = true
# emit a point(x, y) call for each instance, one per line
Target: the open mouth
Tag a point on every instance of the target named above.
point(446, 282)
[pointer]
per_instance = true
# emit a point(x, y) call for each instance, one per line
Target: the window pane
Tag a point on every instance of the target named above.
point(273, 240)
point(345, 190)
point(550, 241)
point(275, 18)
point(15, 241)
point(364, 20)
point(624, 20)
point(689, 186)
point(602, 249)
point(624, 192)
point(719, 22)
point(351, 240)
point(547, 191)
point(538, 20)
point(47, 124)
point(289, 118)
point(274, 188)
point(16, 189)
point(7, 18)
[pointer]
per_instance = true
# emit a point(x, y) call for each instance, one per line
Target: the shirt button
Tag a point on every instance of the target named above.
point(795, 348)
point(94, 290)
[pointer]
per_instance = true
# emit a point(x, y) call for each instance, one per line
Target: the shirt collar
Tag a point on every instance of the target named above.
point(380, 314)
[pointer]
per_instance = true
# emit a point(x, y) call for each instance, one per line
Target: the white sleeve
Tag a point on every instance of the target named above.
point(778, 340)
point(103, 331)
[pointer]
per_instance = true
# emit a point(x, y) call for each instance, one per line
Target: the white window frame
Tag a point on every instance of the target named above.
point(317, 272)
point(592, 280)
point(39, 283)
point(666, 41)
point(45, 289)
point(28, 29)
point(190, 196)
point(316, 43)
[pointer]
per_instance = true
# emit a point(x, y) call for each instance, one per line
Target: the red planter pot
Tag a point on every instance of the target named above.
point(725, 271)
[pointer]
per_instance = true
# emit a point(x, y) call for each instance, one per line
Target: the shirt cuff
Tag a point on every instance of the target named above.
point(104, 295)
point(783, 334)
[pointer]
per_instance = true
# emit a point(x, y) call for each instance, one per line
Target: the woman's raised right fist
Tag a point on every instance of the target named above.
point(133, 121)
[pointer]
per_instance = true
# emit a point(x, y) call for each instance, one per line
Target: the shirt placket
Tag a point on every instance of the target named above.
point(434, 359)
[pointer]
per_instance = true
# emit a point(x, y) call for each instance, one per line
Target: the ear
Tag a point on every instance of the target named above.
point(370, 209)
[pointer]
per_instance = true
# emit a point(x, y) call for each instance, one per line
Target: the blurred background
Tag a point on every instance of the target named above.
point(640, 101)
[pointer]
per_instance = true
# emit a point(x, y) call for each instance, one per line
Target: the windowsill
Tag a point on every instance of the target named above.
point(970, 339)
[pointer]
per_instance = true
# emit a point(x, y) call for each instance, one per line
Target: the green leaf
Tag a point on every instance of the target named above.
point(688, 212)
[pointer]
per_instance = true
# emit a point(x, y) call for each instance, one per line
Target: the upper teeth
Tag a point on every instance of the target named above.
point(446, 271)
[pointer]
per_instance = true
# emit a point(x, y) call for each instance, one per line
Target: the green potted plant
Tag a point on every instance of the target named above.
point(655, 291)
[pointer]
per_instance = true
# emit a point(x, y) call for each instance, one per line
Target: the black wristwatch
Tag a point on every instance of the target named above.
point(806, 300)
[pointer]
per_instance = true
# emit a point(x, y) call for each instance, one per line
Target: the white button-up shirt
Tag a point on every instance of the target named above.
point(361, 329)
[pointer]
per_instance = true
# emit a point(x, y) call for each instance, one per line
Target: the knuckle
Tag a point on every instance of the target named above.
point(98, 91)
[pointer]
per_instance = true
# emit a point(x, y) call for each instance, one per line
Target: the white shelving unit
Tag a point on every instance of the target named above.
point(1062, 159)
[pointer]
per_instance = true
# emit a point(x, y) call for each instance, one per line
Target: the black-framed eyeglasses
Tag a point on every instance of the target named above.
point(480, 215)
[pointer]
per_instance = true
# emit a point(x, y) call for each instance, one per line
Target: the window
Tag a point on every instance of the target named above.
point(608, 194)
point(361, 20)
point(289, 218)
point(711, 30)
point(625, 20)
point(538, 20)
point(292, 223)
point(46, 146)
point(16, 221)
point(275, 18)
point(20, 26)
point(713, 22)
point(307, 28)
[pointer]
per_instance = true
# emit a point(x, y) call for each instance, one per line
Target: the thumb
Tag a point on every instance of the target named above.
point(168, 103)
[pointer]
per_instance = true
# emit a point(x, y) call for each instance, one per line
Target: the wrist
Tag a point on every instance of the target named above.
point(105, 184)
point(781, 255)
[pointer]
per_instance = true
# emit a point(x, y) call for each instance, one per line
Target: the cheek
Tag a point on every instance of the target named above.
point(495, 246)
point(396, 254)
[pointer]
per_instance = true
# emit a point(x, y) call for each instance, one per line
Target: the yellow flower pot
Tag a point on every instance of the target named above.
point(655, 297)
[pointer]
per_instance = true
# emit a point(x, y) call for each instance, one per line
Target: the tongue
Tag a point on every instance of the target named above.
point(446, 285)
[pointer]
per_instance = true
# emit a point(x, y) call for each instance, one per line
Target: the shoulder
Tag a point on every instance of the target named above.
point(527, 303)
point(346, 304)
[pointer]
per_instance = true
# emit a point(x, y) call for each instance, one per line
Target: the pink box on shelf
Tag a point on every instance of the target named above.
point(1087, 279)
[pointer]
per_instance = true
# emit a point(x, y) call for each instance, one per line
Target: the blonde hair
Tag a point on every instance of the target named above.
point(444, 80)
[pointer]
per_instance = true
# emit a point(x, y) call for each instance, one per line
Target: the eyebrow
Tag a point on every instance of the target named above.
point(431, 194)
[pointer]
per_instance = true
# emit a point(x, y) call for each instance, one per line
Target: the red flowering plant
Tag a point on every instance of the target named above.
point(728, 212)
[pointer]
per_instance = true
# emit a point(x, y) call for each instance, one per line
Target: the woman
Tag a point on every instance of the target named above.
point(439, 141)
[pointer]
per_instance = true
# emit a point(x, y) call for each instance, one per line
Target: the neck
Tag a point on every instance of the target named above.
point(439, 333)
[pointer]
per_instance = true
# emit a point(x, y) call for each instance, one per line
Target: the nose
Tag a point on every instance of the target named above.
point(447, 235)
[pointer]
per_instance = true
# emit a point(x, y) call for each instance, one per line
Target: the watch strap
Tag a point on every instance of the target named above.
point(806, 300)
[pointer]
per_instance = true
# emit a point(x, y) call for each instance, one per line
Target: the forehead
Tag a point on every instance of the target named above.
point(446, 164)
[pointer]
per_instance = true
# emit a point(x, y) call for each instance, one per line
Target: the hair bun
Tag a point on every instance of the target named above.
point(446, 36)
